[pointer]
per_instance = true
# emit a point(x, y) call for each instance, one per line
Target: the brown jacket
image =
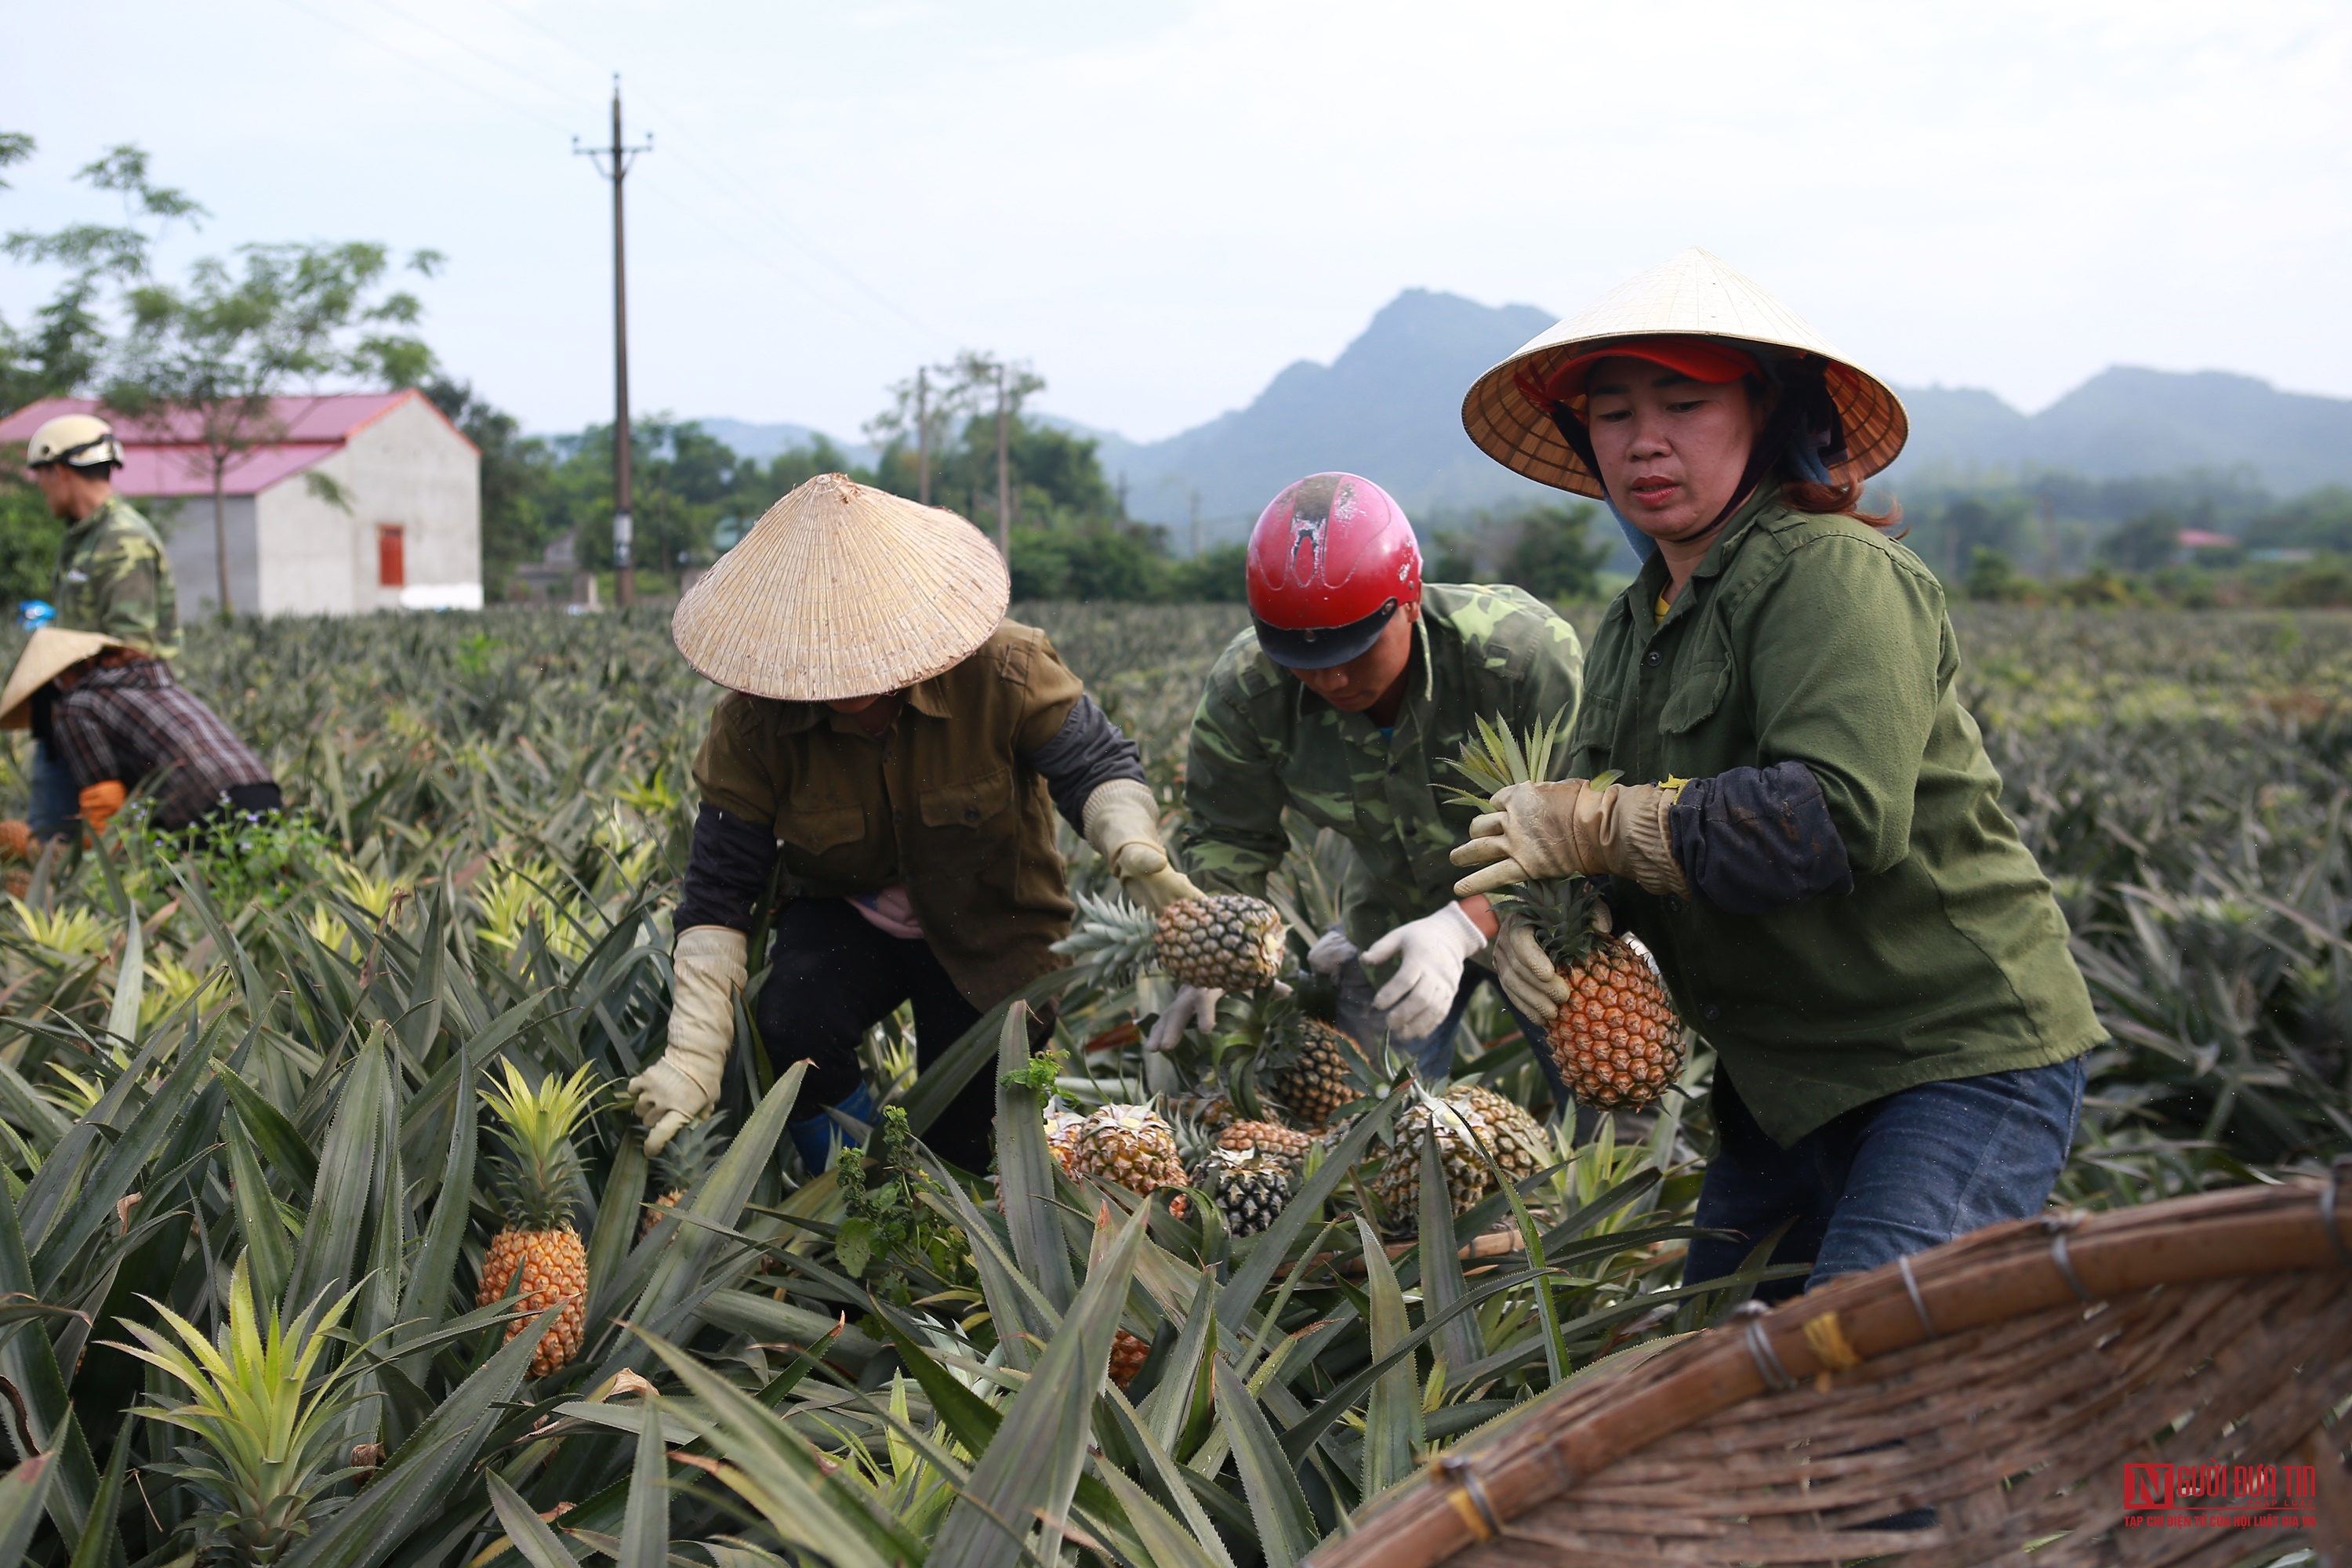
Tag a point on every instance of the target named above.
point(941, 802)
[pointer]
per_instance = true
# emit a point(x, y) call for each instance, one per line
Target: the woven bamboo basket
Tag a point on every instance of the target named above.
point(2039, 1385)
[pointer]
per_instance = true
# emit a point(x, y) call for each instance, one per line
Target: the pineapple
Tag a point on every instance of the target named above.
point(1271, 1139)
point(1249, 1187)
point(1220, 942)
point(1128, 1354)
point(1616, 1039)
point(681, 1165)
point(535, 1183)
point(1060, 1131)
point(1470, 1119)
point(1130, 1146)
point(1320, 1074)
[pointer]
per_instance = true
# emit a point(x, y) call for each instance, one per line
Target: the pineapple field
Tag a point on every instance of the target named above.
point(329, 1240)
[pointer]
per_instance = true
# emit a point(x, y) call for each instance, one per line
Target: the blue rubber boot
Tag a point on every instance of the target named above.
point(816, 1137)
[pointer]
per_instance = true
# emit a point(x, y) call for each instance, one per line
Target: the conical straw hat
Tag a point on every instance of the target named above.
point(842, 591)
point(49, 653)
point(1695, 295)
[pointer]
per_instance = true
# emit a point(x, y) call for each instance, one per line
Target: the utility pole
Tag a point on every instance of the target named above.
point(923, 434)
point(1003, 475)
point(613, 163)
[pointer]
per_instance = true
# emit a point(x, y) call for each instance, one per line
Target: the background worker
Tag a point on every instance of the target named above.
point(1347, 701)
point(118, 721)
point(112, 578)
point(1809, 835)
point(903, 748)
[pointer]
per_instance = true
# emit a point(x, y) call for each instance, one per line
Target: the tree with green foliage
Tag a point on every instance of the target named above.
point(212, 357)
point(1994, 578)
point(1547, 550)
point(2144, 544)
point(515, 469)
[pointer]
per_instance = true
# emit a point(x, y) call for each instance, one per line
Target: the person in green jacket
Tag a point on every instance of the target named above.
point(1347, 701)
point(114, 577)
point(1808, 833)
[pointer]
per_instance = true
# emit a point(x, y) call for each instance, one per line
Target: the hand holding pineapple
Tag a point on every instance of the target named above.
point(1540, 831)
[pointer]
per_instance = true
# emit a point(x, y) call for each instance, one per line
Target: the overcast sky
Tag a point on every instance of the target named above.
point(1160, 205)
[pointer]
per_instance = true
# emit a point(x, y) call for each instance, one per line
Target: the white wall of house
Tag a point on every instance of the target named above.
point(186, 525)
point(407, 469)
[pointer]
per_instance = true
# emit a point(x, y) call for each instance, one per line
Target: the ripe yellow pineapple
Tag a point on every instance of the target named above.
point(1130, 1146)
point(1617, 1039)
point(1320, 1075)
point(1061, 1133)
point(535, 1181)
point(1470, 1115)
point(1271, 1139)
point(1221, 941)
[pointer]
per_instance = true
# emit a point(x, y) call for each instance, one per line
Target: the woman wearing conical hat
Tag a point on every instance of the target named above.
point(1808, 834)
point(901, 748)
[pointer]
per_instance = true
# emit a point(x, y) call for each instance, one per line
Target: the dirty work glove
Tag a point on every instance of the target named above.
point(1430, 952)
point(1537, 989)
point(99, 801)
point(684, 1085)
point(1122, 822)
point(1195, 1005)
point(1545, 830)
point(1331, 953)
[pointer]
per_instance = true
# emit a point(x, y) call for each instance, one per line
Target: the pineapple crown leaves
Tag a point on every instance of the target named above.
point(268, 1420)
point(539, 1177)
point(1497, 756)
point(1110, 940)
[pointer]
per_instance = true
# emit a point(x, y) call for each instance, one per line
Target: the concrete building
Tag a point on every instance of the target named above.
point(357, 501)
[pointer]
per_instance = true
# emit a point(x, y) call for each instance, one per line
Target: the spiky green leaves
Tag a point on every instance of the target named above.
point(536, 1178)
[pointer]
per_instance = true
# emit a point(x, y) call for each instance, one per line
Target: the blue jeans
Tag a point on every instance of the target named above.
point(57, 804)
point(1898, 1175)
point(1433, 1054)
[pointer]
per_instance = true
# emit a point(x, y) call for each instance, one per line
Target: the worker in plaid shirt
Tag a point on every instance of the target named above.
point(120, 721)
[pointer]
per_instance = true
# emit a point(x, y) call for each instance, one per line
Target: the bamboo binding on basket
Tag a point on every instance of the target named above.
point(2002, 1379)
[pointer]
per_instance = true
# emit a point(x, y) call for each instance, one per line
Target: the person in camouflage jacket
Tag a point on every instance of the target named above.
point(112, 577)
point(1346, 702)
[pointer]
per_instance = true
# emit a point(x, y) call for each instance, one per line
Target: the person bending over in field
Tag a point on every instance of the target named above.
point(902, 747)
point(119, 723)
point(1808, 834)
point(1347, 700)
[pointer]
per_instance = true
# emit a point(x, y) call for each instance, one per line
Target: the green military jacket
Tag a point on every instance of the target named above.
point(1816, 639)
point(1263, 742)
point(114, 577)
point(941, 802)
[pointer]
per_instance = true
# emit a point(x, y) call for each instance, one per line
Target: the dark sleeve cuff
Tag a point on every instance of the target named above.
point(1753, 840)
point(726, 872)
point(1088, 749)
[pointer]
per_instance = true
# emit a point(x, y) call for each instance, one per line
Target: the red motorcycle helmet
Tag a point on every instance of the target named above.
point(1331, 559)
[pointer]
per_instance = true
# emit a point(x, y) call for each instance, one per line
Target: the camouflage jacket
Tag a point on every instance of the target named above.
point(1262, 741)
point(114, 577)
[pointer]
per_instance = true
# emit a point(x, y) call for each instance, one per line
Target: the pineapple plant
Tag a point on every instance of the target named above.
point(1617, 1040)
point(536, 1179)
point(1130, 1146)
point(1469, 1119)
point(1220, 941)
point(681, 1165)
point(1318, 1072)
point(1060, 1131)
point(1249, 1187)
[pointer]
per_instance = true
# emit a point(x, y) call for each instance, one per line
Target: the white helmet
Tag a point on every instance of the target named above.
point(77, 440)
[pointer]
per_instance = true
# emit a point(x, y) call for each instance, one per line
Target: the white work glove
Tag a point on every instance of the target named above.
point(1121, 820)
point(708, 967)
point(1194, 1004)
point(1431, 953)
point(1537, 989)
point(1331, 953)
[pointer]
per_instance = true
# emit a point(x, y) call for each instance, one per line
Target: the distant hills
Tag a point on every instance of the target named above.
point(1390, 408)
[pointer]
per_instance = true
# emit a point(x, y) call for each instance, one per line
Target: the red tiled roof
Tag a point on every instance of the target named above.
point(161, 457)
